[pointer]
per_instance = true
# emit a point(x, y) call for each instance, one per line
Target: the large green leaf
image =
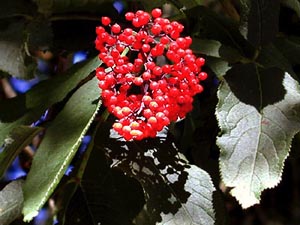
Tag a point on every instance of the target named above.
point(26, 109)
point(17, 140)
point(256, 137)
point(290, 48)
point(11, 202)
point(58, 147)
point(259, 21)
point(175, 192)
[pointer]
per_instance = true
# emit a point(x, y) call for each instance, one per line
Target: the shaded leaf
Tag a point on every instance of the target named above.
point(14, 59)
point(293, 4)
point(27, 108)
point(174, 190)
point(208, 25)
point(11, 202)
point(215, 49)
point(272, 56)
point(256, 81)
point(259, 21)
point(58, 147)
point(290, 48)
point(17, 140)
point(255, 144)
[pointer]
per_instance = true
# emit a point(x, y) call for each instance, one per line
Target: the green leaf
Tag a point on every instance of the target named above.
point(290, 48)
point(58, 147)
point(11, 201)
point(215, 49)
point(174, 190)
point(17, 140)
point(259, 21)
point(271, 56)
point(254, 144)
point(26, 109)
point(208, 25)
point(199, 208)
point(293, 4)
point(14, 59)
point(218, 66)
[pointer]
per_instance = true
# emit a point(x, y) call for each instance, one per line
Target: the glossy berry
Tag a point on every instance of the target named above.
point(154, 83)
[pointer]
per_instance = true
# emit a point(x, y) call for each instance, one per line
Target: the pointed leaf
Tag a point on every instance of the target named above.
point(58, 147)
point(255, 144)
point(11, 202)
point(259, 21)
point(17, 140)
point(26, 109)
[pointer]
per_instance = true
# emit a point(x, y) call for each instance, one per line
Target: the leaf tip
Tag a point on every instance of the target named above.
point(29, 216)
point(245, 197)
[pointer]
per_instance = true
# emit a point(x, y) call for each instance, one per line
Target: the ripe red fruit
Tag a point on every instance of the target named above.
point(105, 20)
point(143, 90)
point(156, 13)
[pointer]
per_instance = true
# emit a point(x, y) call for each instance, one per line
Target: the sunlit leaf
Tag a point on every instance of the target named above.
point(58, 147)
point(17, 140)
point(256, 137)
point(11, 202)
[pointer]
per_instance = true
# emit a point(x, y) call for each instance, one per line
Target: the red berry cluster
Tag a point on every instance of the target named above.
point(155, 81)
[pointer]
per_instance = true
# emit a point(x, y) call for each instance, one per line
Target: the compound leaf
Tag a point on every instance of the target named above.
point(255, 143)
point(58, 147)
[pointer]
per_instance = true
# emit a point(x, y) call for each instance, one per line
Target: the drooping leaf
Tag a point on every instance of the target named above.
point(58, 147)
point(175, 192)
point(255, 143)
point(14, 59)
point(17, 140)
point(26, 109)
point(259, 21)
point(293, 4)
point(11, 202)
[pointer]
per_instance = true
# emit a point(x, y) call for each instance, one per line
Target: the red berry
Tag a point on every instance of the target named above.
point(156, 12)
point(105, 20)
point(116, 28)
